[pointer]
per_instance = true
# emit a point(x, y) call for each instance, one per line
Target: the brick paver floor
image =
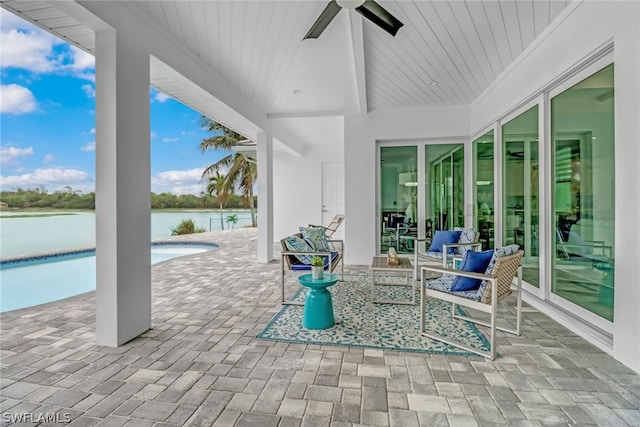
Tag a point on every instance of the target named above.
point(200, 364)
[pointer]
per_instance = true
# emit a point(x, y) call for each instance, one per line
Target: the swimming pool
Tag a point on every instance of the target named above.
point(32, 281)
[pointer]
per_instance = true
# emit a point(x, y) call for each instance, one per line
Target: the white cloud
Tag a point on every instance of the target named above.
point(48, 158)
point(92, 131)
point(49, 177)
point(81, 59)
point(16, 99)
point(178, 181)
point(9, 155)
point(89, 146)
point(152, 135)
point(161, 97)
point(28, 47)
point(89, 90)
point(31, 50)
point(174, 139)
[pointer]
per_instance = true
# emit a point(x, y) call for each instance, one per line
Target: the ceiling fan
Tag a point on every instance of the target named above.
point(367, 8)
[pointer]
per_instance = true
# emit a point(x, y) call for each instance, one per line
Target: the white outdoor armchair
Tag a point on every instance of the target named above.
point(496, 286)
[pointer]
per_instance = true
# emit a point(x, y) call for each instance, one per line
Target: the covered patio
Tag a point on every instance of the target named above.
point(177, 343)
point(201, 364)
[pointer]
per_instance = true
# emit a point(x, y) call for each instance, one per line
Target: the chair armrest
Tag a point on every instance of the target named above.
point(457, 245)
point(325, 253)
point(472, 275)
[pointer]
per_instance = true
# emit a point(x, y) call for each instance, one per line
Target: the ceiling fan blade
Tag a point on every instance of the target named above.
point(379, 16)
point(323, 20)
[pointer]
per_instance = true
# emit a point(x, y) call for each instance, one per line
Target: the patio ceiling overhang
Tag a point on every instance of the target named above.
point(447, 53)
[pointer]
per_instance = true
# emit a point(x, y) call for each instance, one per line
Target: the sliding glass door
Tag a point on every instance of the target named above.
point(441, 207)
point(520, 195)
point(444, 172)
point(582, 132)
point(483, 181)
point(398, 197)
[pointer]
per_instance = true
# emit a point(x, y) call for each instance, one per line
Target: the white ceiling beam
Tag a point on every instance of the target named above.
point(357, 46)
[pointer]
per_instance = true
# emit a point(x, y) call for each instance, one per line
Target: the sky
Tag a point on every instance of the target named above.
point(47, 119)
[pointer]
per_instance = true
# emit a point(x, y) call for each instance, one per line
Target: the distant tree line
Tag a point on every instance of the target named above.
point(68, 198)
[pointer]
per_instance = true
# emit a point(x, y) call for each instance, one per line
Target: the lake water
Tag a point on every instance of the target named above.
point(30, 232)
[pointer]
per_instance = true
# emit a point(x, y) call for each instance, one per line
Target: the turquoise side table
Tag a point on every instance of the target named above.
point(318, 307)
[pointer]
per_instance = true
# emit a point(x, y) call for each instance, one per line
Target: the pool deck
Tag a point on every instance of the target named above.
point(201, 364)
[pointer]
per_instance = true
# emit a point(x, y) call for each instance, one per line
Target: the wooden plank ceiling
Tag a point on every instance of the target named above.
point(447, 53)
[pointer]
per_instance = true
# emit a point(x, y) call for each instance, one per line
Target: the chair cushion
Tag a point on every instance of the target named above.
point(473, 262)
point(443, 237)
point(316, 237)
point(296, 243)
point(302, 267)
point(467, 235)
point(443, 284)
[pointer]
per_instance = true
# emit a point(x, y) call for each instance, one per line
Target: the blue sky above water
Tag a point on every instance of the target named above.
point(47, 121)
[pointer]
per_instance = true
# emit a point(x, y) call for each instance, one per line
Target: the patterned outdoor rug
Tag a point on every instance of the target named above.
point(361, 323)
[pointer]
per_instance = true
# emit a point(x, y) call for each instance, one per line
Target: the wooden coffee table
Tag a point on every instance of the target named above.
point(380, 265)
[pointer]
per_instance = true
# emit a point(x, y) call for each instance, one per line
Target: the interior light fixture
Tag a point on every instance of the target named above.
point(433, 83)
point(297, 91)
point(408, 179)
point(350, 4)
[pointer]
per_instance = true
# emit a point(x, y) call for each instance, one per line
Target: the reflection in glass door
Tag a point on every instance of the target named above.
point(483, 179)
point(520, 190)
point(582, 130)
point(398, 194)
point(444, 174)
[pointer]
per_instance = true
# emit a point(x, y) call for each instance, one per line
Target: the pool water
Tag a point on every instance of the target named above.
point(36, 281)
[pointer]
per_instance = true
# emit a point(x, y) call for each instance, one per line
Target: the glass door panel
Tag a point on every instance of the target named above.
point(520, 189)
point(444, 174)
point(483, 180)
point(582, 130)
point(458, 188)
point(447, 194)
point(398, 193)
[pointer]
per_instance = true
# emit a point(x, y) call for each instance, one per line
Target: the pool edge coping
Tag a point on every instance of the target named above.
point(42, 256)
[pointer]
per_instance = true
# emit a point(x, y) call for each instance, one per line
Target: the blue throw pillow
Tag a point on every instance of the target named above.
point(473, 262)
point(444, 238)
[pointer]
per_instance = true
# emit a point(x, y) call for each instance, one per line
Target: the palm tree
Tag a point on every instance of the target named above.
point(241, 173)
point(232, 219)
point(218, 186)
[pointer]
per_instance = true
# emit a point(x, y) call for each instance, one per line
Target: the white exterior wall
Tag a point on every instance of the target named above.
point(361, 134)
point(297, 181)
point(586, 27)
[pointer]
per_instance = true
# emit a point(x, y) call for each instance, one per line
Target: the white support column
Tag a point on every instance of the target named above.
point(264, 145)
point(123, 203)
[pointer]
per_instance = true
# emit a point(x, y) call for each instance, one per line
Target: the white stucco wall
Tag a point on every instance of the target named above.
point(297, 180)
point(586, 27)
point(361, 134)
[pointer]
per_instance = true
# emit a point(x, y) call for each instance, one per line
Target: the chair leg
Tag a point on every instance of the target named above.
point(282, 273)
point(282, 279)
point(492, 341)
point(422, 303)
point(519, 302)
